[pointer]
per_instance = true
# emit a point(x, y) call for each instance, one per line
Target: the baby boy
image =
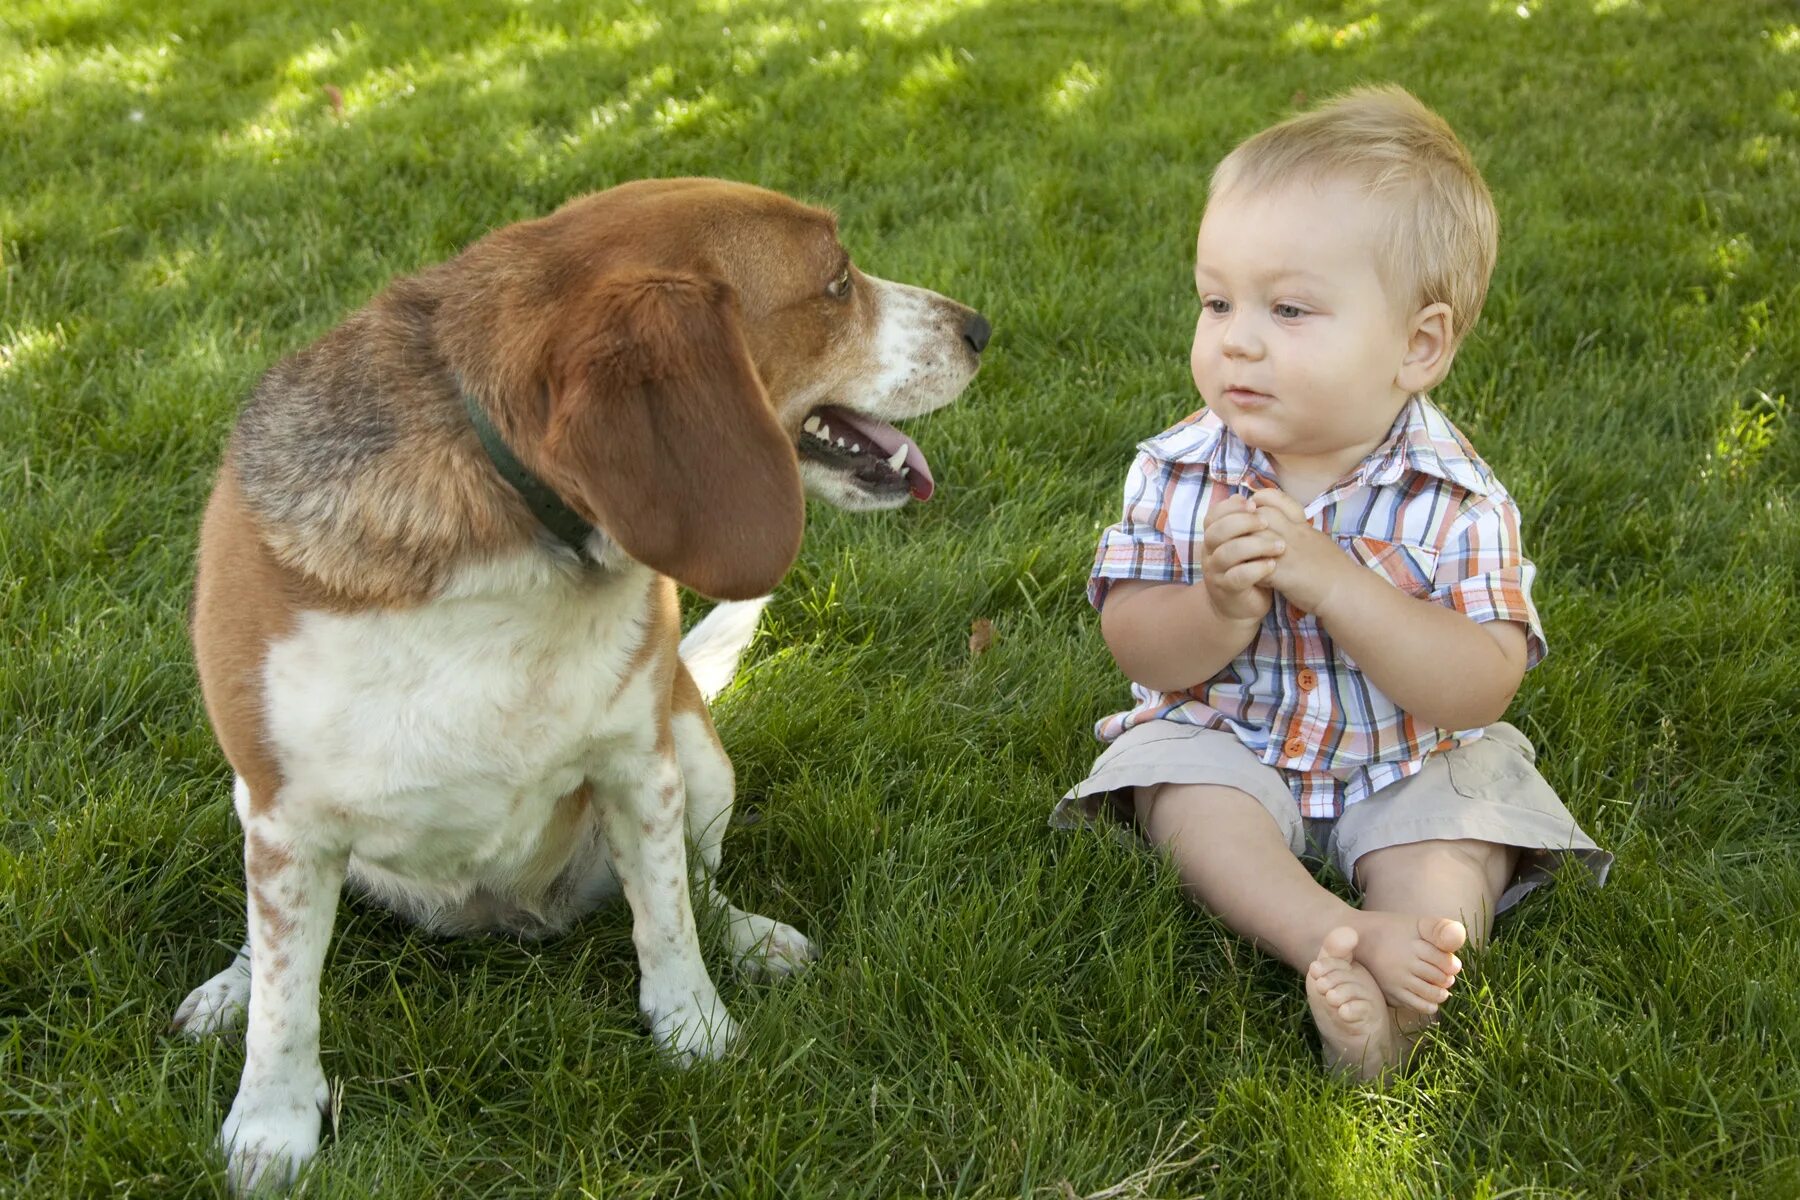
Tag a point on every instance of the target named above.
point(1318, 590)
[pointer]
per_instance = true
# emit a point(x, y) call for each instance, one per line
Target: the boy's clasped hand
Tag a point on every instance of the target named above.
point(1263, 543)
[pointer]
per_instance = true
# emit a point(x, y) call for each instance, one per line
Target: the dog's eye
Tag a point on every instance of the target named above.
point(840, 287)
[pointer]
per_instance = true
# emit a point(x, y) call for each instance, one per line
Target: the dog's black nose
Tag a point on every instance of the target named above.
point(976, 332)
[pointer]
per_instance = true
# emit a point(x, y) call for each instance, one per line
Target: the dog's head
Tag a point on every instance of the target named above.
point(706, 350)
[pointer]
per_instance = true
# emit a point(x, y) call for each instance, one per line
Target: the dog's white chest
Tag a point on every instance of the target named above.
point(440, 738)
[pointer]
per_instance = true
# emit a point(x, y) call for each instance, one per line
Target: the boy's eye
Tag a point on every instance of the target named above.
point(1216, 306)
point(1289, 312)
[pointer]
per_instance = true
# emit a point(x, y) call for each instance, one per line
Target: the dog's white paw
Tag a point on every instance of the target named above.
point(765, 948)
point(693, 1030)
point(271, 1133)
point(216, 1005)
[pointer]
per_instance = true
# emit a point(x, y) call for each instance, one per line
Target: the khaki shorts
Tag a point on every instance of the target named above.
point(1487, 790)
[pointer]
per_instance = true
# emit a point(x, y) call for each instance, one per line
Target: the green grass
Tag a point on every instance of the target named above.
point(999, 1011)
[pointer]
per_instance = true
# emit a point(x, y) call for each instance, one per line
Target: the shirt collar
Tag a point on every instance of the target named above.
point(1422, 441)
point(1202, 439)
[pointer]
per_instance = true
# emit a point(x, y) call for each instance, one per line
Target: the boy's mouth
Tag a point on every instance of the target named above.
point(1248, 398)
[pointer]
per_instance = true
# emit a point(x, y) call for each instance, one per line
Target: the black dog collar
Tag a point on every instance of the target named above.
point(544, 504)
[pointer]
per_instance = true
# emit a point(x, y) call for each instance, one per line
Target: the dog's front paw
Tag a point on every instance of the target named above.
point(216, 1005)
point(693, 1029)
point(765, 948)
point(271, 1134)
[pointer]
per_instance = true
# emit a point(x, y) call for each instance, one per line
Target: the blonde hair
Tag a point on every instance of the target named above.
point(1442, 234)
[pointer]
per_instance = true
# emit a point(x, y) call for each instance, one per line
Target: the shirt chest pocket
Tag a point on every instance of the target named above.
point(1410, 568)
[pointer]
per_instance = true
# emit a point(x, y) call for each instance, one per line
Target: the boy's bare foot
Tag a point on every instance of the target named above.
point(1356, 1027)
point(1412, 958)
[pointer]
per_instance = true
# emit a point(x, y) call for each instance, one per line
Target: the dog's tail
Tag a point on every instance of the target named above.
point(711, 648)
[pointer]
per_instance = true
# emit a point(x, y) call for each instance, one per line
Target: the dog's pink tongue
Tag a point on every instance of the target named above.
point(887, 439)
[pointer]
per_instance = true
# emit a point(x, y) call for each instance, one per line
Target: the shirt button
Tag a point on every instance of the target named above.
point(1308, 680)
point(1293, 747)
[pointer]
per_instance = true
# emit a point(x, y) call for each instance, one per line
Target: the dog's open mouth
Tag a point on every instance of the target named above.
point(880, 458)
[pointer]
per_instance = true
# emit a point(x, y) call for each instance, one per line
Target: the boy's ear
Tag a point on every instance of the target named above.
point(1429, 350)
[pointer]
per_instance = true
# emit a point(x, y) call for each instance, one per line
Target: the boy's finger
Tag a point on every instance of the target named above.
point(1224, 508)
point(1281, 502)
point(1245, 576)
point(1248, 549)
point(1236, 525)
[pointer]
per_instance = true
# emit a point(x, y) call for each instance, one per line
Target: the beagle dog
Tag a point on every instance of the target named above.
point(435, 615)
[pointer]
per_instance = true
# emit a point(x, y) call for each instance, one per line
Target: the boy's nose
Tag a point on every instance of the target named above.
point(1240, 341)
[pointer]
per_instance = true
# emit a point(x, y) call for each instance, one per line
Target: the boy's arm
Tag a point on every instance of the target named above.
point(1432, 661)
point(1171, 636)
point(1441, 666)
point(1168, 636)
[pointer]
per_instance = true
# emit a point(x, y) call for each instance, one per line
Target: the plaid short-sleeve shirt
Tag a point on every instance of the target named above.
point(1423, 511)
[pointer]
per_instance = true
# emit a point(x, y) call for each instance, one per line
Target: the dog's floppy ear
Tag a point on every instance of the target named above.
point(659, 426)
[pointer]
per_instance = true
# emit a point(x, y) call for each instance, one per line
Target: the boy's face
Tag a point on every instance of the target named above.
point(1299, 347)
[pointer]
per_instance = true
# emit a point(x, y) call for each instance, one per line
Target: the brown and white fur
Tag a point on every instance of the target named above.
point(424, 694)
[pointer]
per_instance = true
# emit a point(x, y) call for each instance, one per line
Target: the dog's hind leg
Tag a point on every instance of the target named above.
point(218, 1004)
point(758, 945)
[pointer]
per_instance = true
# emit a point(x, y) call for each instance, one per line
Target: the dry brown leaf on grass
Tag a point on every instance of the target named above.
point(337, 100)
point(981, 636)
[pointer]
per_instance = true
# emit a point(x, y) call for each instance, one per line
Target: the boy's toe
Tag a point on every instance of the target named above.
point(1430, 975)
point(1340, 944)
point(1416, 1000)
point(1447, 935)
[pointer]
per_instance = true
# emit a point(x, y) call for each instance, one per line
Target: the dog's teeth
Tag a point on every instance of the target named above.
point(899, 458)
point(856, 447)
point(840, 441)
point(812, 425)
point(905, 471)
point(823, 431)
